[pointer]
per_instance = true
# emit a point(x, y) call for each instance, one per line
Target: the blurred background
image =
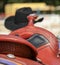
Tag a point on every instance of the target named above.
point(49, 9)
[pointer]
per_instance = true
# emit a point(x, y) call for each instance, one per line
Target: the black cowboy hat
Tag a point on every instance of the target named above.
point(19, 20)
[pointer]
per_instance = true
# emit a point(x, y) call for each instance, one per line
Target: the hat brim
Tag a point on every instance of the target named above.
point(10, 23)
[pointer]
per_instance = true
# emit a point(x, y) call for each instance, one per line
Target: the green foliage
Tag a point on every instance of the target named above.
point(18, 1)
point(57, 12)
point(57, 2)
point(21, 1)
point(49, 2)
point(14, 1)
point(53, 2)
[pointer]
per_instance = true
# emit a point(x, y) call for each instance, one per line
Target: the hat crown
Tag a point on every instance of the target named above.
point(21, 15)
point(26, 10)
